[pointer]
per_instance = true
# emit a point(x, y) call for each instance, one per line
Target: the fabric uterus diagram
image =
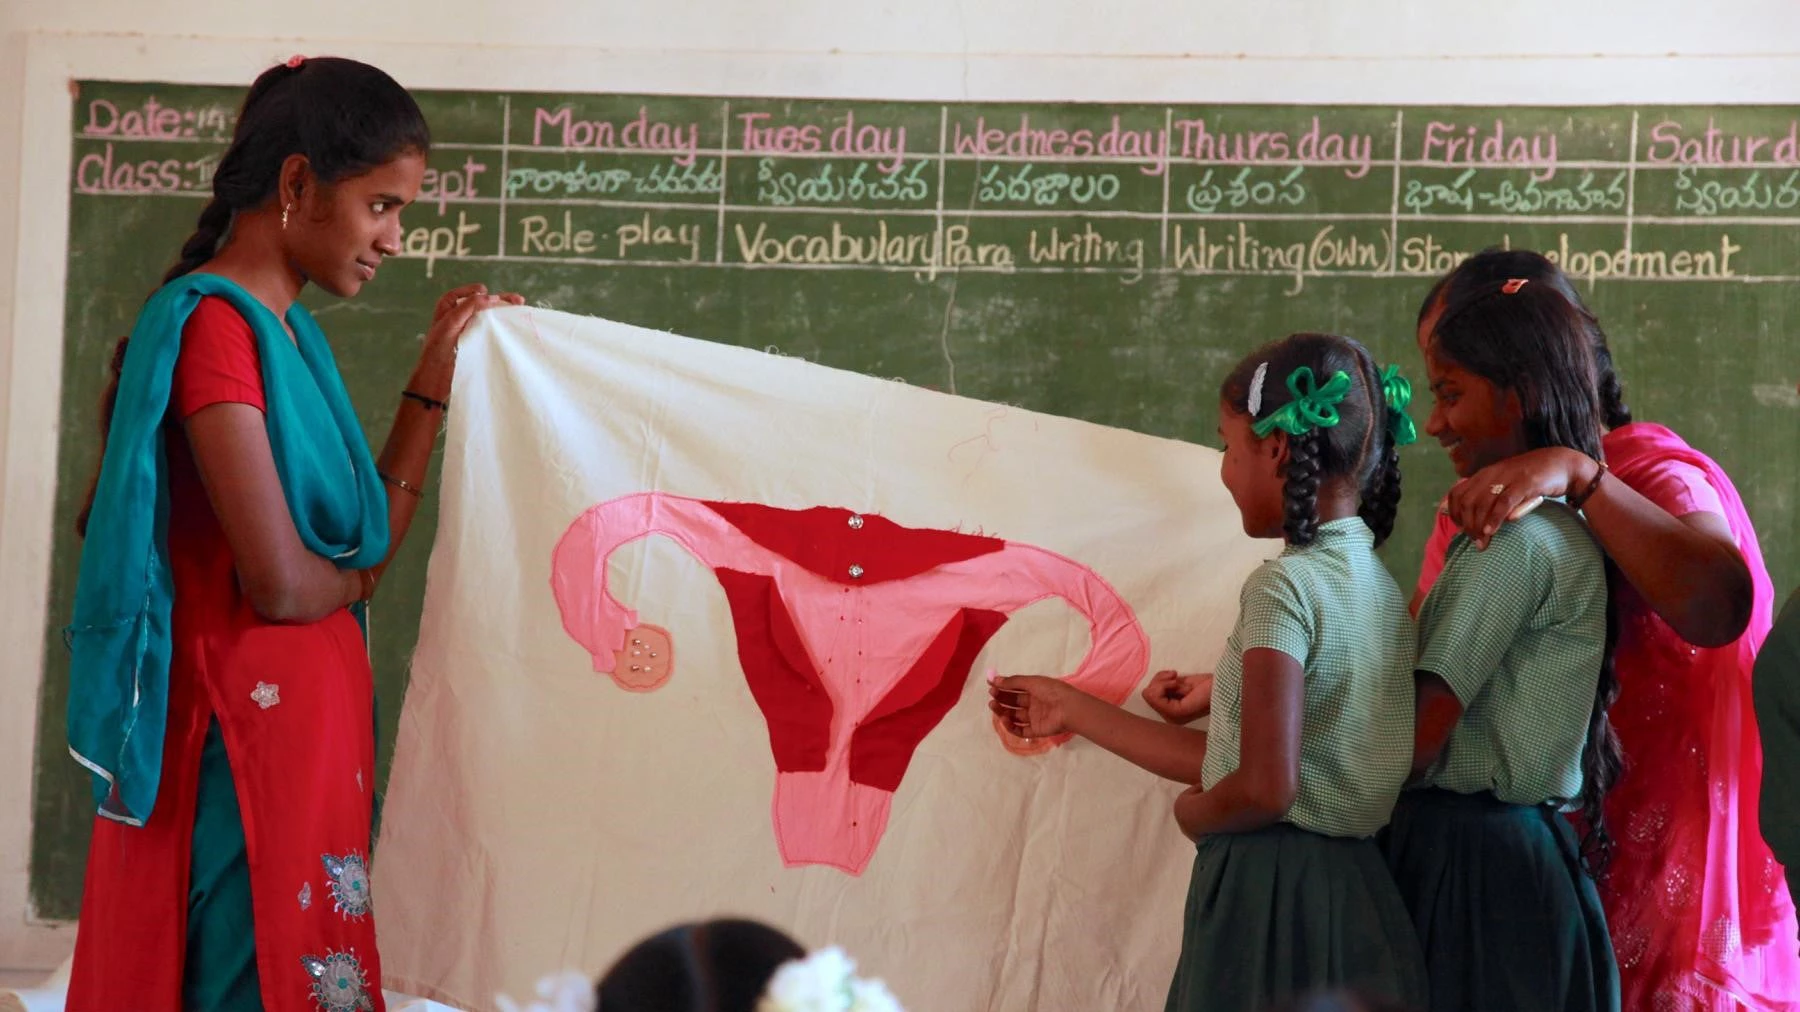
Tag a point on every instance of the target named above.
point(856, 636)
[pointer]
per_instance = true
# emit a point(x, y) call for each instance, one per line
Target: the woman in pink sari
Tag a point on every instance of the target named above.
point(1697, 906)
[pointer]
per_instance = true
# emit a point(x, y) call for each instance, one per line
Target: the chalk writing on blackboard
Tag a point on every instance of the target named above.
point(1126, 191)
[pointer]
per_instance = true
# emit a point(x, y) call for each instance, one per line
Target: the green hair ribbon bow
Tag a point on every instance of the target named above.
point(1397, 391)
point(1313, 406)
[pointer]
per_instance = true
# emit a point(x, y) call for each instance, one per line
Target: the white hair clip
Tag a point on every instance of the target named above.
point(1256, 385)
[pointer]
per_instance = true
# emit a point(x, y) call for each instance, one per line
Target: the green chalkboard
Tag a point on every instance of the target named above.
point(1107, 262)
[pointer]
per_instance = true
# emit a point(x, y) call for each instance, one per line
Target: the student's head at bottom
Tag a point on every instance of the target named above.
point(707, 966)
point(732, 965)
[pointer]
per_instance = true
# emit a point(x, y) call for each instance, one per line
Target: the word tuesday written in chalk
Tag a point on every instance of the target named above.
point(762, 134)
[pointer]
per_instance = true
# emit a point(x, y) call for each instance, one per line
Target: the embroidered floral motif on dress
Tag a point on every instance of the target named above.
point(348, 877)
point(338, 982)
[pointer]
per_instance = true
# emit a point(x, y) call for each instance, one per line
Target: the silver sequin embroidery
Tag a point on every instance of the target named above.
point(266, 694)
point(1722, 939)
point(348, 877)
point(1632, 945)
point(306, 896)
point(338, 982)
point(1647, 825)
point(1678, 889)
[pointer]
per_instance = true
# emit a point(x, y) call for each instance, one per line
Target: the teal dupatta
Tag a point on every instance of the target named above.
point(119, 638)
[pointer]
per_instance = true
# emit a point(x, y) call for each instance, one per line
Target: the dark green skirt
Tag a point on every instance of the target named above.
point(1281, 912)
point(1507, 916)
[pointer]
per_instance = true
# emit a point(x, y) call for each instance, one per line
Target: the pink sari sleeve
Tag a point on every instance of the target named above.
point(1679, 488)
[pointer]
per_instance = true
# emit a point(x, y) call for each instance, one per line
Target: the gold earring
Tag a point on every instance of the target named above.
point(284, 213)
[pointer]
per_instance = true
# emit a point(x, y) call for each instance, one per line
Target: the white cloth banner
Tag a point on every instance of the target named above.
point(776, 708)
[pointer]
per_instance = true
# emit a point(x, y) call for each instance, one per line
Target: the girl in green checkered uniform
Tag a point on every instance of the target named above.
point(1311, 729)
point(1514, 678)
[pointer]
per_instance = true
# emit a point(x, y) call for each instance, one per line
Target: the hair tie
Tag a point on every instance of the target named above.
point(1512, 287)
point(1313, 406)
point(294, 61)
point(1396, 390)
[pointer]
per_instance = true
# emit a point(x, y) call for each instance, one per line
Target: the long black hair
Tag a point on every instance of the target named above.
point(345, 117)
point(713, 966)
point(1360, 447)
point(1531, 340)
point(1496, 265)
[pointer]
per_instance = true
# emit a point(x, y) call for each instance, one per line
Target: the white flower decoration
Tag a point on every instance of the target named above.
point(563, 992)
point(872, 996)
point(825, 981)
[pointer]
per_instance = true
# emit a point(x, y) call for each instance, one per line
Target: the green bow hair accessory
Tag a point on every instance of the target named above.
point(1397, 391)
point(1313, 406)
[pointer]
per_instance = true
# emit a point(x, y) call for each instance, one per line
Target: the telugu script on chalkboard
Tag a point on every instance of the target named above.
point(1130, 191)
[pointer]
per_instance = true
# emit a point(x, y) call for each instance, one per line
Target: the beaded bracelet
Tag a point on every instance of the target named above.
point(1600, 471)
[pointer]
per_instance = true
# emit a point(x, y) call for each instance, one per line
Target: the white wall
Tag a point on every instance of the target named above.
point(1542, 51)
